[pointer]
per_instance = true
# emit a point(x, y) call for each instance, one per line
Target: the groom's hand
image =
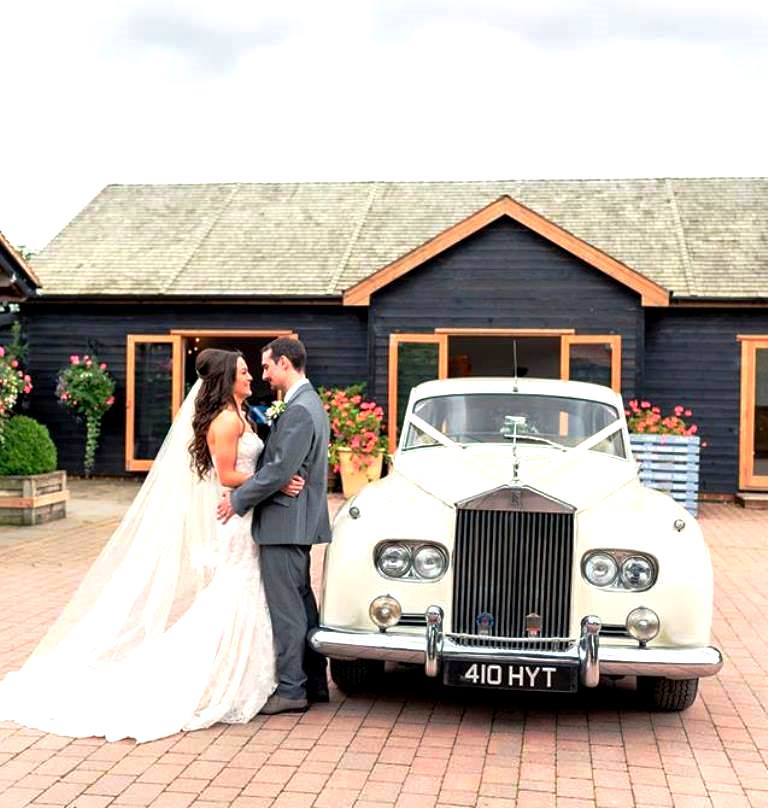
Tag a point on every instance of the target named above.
point(224, 510)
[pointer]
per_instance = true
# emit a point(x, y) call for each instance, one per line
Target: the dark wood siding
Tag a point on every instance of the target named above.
point(336, 340)
point(693, 358)
point(506, 276)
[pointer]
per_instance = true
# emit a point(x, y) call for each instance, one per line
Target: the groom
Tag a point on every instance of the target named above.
point(285, 528)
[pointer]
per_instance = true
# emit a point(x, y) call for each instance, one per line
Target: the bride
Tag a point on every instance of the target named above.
point(169, 630)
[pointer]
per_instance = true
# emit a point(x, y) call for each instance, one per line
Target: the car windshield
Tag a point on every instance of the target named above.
point(500, 417)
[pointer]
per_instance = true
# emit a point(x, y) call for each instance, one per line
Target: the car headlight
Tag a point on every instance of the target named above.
point(429, 562)
point(600, 569)
point(622, 570)
point(411, 560)
point(394, 560)
point(637, 572)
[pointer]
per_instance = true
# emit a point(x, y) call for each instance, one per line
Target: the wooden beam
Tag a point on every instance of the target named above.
point(505, 332)
point(34, 502)
point(187, 332)
point(652, 294)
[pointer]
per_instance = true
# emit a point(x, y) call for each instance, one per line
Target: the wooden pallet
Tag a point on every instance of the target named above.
point(670, 463)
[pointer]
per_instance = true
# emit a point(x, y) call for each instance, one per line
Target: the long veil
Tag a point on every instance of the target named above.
point(154, 564)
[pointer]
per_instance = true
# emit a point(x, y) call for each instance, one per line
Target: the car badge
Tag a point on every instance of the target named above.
point(533, 624)
point(484, 622)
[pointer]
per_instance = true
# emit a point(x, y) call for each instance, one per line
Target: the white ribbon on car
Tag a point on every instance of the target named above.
point(482, 467)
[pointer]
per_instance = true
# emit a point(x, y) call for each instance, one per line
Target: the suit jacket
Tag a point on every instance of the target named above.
point(297, 444)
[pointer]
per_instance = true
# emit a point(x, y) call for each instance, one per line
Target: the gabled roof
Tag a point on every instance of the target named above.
point(17, 280)
point(652, 294)
point(705, 238)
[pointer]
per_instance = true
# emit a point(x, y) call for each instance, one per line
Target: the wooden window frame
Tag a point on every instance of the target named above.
point(395, 340)
point(748, 480)
point(176, 337)
point(614, 340)
point(138, 464)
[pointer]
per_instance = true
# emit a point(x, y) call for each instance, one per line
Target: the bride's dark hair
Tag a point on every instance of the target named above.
point(218, 371)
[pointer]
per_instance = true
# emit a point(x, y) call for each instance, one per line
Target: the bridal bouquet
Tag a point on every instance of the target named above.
point(86, 389)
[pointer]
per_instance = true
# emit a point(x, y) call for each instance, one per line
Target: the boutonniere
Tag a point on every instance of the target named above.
point(275, 410)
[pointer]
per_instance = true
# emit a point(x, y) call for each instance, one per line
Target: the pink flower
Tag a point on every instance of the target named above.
point(14, 363)
point(88, 362)
point(645, 404)
point(110, 401)
point(2, 351)
point(692, 430)
point(679, 410)
point(74, 359)
point(64, 396)
point(103, 366)
point(688, 413)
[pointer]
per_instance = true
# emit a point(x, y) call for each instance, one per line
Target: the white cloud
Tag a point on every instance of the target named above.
point(202, 92)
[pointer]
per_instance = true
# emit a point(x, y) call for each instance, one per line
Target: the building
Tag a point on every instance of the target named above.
point(657, 287)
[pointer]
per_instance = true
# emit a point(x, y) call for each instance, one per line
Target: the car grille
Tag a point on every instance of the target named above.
point(507, 565)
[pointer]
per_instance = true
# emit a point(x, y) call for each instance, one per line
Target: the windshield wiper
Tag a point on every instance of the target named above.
point(537, 439)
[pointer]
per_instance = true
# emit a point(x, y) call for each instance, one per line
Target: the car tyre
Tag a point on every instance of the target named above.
point(354, 675)
point(667, 695)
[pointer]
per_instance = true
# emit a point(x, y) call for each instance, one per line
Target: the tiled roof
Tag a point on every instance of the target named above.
point(695, 237)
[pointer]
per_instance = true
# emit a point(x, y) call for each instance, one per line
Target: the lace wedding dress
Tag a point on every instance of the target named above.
point(178, 636)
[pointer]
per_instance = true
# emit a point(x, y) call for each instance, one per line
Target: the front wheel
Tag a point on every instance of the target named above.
point(354, 675)
point(667, 695)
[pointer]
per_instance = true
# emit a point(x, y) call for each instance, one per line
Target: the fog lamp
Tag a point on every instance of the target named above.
point(643, 624)
point(385, 611)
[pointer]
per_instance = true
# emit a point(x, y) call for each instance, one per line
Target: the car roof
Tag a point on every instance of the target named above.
point(524, 386)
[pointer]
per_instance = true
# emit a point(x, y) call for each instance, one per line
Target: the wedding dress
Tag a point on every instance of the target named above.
point(169, 630)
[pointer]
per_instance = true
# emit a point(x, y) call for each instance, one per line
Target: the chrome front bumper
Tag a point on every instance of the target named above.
point(594, 660)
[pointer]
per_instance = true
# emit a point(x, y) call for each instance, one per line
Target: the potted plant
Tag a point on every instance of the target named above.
point(357, 445)
point(667, 448)
point(86, 390)
point(31, 490)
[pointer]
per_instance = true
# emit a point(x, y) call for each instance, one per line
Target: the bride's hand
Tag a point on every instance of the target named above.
point(294, 487)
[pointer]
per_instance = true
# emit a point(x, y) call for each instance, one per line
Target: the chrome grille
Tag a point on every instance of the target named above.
point(510, 564)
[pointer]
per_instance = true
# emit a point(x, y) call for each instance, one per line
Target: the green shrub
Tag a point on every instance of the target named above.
point(27, 448)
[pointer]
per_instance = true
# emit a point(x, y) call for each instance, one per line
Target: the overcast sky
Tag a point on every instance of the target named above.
point(97, 92)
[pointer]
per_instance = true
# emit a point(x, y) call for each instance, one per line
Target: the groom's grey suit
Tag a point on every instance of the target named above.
point(285, 528)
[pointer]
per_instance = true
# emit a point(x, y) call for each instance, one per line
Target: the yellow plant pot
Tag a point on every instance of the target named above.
point(353, 479)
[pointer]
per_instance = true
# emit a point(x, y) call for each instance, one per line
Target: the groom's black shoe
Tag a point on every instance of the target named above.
point(318, 695)
point(280, 704)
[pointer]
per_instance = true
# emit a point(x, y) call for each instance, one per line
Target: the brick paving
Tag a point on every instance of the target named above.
point(414, 745)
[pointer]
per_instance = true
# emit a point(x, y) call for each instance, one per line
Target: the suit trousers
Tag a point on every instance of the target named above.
point(293, 611)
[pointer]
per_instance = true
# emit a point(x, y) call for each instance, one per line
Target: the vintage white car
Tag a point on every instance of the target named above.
point(513, 547)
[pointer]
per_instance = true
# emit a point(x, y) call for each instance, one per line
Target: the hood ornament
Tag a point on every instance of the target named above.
point(533, 624)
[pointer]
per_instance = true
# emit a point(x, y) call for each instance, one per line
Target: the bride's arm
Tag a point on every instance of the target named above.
point(223, 436)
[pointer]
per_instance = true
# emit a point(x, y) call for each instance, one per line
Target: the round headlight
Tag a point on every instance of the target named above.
point(429, 562)
point(637, 572)
point(385, 611)
point(643, 624)
point(600, 569)
point(394, 560)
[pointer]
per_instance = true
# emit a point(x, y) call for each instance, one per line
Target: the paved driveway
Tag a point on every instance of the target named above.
point(412, 745)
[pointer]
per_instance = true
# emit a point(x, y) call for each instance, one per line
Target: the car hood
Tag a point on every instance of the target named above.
point(578, 479)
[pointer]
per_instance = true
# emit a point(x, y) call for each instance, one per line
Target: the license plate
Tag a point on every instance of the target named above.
point(559, 678)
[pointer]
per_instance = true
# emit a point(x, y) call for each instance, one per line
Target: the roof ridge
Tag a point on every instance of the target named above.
point(336, 276)
point(680, 234)
point(196, 246)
